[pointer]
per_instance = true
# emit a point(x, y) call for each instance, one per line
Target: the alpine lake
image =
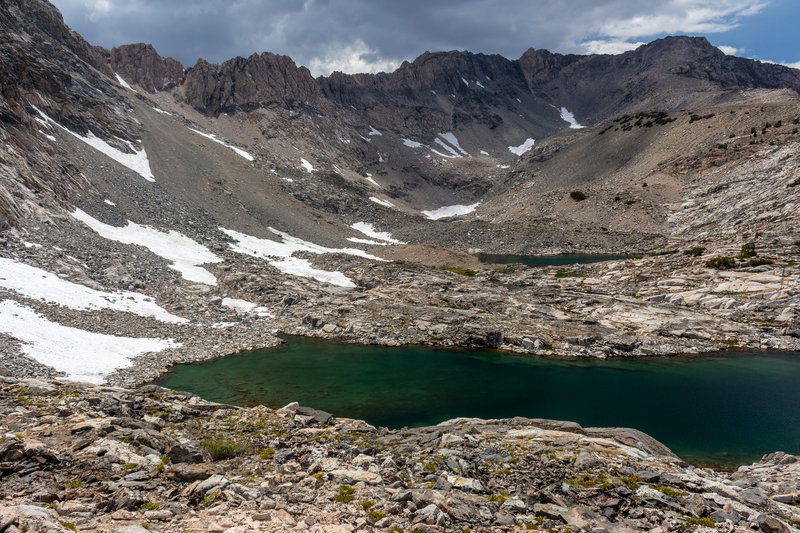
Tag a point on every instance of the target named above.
point(722, 409)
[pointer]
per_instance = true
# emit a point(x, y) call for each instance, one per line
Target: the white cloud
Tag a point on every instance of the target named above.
point(609, 47)
point(97, 8)
point(730, 50)
point(682, 16)
point(352, 58)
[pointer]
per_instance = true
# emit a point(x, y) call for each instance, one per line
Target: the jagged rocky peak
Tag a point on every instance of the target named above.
point(140, 64)
point(245, 84)
point(669, 73)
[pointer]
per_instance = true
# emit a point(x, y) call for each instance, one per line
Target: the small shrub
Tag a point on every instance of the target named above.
point(149, 506)
point(705, 521)
point(695, 251)
point(748, 250)
point(760, 261)
point(499, 498)
point(68, 525)
point(374, 516)
point(366, 504)
point(266, 453)
point(721, 262)
point(795, 183)
point(578, 196)
point(223, 448)
point(344, 494)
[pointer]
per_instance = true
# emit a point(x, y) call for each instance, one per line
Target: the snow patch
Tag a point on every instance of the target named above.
point(566, 116)
point(49, 137)
point(449, 137)
point(369, 230)
point(465, 82)
point(372, 181)
point(162, 111)
point(109, 202)
point(290, 180)
point(479, 84)
point(373, 131)
point(185, 254)
point(123, 82)
point(39, 284)
point(307, 166)
point(137, 161)
point(450, 211)
point(522, 148)
point(243, 306)
point(484, 152)
point(384, 203)
point(82, 355)
point(239, 151)
point(411, 144)
point(279, 254)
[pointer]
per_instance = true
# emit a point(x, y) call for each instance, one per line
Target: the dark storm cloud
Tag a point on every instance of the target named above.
point(359, 35)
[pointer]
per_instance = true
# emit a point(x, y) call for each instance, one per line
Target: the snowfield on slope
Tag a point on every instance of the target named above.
point(40, 284)
point(137, 161)
point(450, 211)
point(369, 230)
point(185, 254)
point(280, 255)
point(82, 355)
point(568, 117)
point(522, 148)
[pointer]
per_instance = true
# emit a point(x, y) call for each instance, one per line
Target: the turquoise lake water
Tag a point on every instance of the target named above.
point(723, 409)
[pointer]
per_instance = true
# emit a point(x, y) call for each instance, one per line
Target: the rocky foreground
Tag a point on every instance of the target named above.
point(98, 458)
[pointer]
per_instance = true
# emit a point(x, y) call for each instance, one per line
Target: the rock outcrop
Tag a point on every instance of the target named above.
point(139, 64)
point(109, 459)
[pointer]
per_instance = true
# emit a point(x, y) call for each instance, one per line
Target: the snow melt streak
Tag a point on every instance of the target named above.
point(137, 161)
point(82, 355)
point(39, 284)
point(184, 253)
point(226, 145)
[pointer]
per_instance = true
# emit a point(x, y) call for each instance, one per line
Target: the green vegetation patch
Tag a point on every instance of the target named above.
point(695, 117)
point(669, 491)
point(748, 250)
point(721, 262)
point(460, 271)
point(705, 521)
point(695, 251)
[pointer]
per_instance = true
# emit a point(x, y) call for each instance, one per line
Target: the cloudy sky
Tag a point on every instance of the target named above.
point(375, 35)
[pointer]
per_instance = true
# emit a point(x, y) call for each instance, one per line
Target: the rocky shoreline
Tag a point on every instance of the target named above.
point(99, 458)
point(648, 306)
